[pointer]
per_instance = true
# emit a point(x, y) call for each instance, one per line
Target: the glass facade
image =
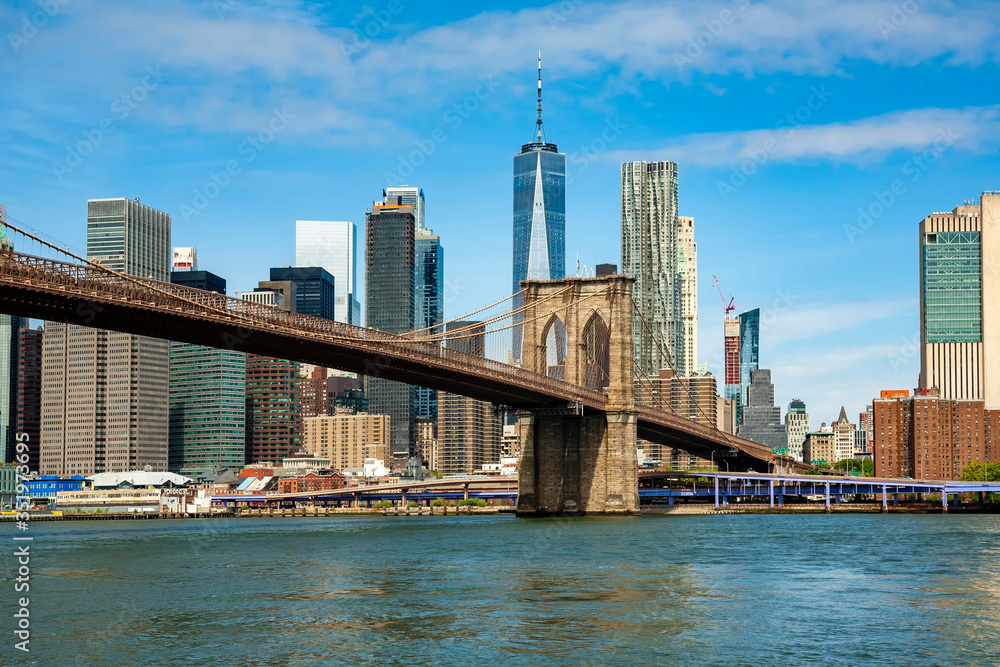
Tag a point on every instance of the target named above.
point(953, 287)
point(539, 214)
point(207, 398)
point(315, 289)
point(429, 304)
point(333, 246)
point(408, 196)
point(9, 326)
point(130, 237)
point(749, 353)
point(761, 417)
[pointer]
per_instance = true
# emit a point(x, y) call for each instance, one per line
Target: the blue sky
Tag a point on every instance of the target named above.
point(788, 119)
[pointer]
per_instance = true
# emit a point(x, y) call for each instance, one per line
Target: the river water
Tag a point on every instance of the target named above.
point(682, 590)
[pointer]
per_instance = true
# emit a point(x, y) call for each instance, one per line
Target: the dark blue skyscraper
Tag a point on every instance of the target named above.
point(749, 352)
point(539, 210)
point(428, 304)
point(315, 292)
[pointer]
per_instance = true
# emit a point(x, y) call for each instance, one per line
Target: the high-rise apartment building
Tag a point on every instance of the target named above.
point(650, 255)
point(687, 268)
point(429, 304)
point(731, 352)
point(539, 213)
point(749, 354)
point(333, 246)
point(29, 391)
point(314, 397)
point(468, 431)
point(105, 395)
point(408, 196)
point(761, 417)
point(273, 420)
point(960, 302)
point(929, 437)
point(389, 306)
point(796, 428)
point(207, 393)
point(315, 289)
point(347, 439)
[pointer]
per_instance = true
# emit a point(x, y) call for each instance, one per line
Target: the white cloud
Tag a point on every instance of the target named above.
point(972, 128)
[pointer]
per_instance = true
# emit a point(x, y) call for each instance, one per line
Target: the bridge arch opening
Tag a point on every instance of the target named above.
point(554, 348)
point(597, 352)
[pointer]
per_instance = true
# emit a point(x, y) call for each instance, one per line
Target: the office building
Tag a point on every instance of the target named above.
point(761, 417)
point(389, 306)
point(408, 195)
point(207, 393)
point(347, 439)
point(468, 431)
point(10, 327)
point(726, 415)
point(105, 395)
point(314, 399)
point(185, 259)
point(425, 432)
point(429, 304)
point(333, 245)
point(539, 229)
point(845, 439)
point(796, 428)
point(314, 289)
point(687, 269)
point(820, 448)
point(650, 255)
point(749, 353)
point(29, 391)
point(960, 302)
point(731, 352)
point(273, 420)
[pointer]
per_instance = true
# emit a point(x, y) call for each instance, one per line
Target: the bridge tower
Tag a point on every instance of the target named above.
point(575, 461)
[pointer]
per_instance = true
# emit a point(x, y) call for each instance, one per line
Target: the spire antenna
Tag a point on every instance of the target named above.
point(538, 123)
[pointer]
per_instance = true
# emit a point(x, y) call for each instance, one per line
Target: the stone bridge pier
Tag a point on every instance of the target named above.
point(575, 461)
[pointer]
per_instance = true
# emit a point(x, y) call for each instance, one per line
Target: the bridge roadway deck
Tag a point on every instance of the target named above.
point(475, 485)
point(65, 292)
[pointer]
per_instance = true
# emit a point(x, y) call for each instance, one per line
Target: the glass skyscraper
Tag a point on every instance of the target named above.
point(428, 305)
point(315, 289)
point(539, 212)
point(9, 327)
point(749, 354)
point(333, 246)
point(408, 196)
point(952, 287)
point(207, 397)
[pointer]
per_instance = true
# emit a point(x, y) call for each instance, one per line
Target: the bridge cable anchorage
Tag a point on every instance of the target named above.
point(710, 425)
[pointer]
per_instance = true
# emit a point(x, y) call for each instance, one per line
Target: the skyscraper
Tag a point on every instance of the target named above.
point(29, 390)
point(105, 394)
point(687, 267)
point(207, 394)
point(389, 306)
point(315, 289)
point(732, 358)
point(333, 246)
point(408, 196)
point(960, 302)
point(650, 255)
point(539, 212)
point(749, 353)
point(796, 428)
point(761, 417)
point(273, 422)
point(429, 304)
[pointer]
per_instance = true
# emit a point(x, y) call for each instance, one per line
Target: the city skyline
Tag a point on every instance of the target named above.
point(824, 334)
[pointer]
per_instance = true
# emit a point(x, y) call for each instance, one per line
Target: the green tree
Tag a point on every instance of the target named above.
point(861, 466)
point(977, 472)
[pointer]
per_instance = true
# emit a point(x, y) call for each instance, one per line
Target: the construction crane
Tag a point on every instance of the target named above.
point(729, 308)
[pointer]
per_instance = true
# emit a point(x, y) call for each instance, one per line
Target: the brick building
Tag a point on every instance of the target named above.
point(311, 482)
point(273, 421)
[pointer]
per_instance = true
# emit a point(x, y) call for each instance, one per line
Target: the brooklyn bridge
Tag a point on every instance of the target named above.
point(582, 408)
